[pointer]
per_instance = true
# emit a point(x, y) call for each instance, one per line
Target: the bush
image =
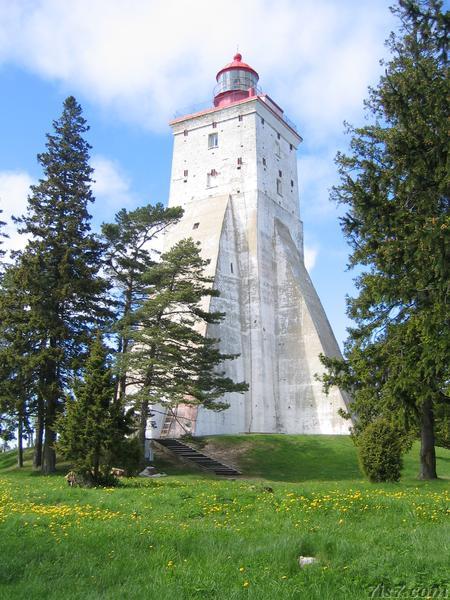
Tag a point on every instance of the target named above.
point(380, 446)
point(128, 456)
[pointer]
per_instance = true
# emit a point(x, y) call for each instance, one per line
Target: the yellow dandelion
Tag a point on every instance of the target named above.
point(246, 584)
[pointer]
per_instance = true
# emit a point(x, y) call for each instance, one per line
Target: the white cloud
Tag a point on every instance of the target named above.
point(144, 59)
point(111, 186)
point(14, 189)
point(311, 253)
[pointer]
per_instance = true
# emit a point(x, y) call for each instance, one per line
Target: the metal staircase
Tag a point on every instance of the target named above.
point(185, 452)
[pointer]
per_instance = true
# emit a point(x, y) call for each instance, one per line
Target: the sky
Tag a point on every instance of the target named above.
point(132, 64)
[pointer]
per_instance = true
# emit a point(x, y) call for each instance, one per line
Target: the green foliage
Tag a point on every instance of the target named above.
point(127, 455)
point(170, 359)
point(94, 424)
point(127, 257)
point(394, 184)
point(380, 451)
point(60, 265)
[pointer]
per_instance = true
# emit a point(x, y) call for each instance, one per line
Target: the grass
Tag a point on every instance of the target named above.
point(196, 536)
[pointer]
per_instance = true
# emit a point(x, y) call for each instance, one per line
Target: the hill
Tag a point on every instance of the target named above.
point(191, 535)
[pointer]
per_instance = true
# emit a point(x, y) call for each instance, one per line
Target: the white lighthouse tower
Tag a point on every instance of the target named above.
point(234, 172)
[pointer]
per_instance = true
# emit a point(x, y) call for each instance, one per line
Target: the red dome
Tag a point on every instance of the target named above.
point(237, 64)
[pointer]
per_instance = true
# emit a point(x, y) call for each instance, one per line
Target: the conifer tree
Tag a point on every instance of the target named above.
point(129, 242)
point(19, 358)
point(170, 359)
point(61, 263)
point(94, 423)
point(3, 235)
point(395, 186)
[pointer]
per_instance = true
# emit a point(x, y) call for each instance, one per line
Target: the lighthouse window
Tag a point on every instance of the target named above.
point(264, 162)
point(185, 173)
point(280, 174)
point(290, 147)
point(239, 162)
point(278, 136)
point(279, 188)
point(213, 140)
point(292, 183)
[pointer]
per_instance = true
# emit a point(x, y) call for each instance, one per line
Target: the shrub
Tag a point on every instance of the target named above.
point(380, 446)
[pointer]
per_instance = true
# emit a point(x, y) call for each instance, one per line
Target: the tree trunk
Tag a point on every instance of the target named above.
point(143, 427)
point(427, 449)
point(20, 442)
point(39, 436)
point(49, 454)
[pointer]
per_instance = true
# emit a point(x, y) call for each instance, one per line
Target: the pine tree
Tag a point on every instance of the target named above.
point(395, 186)
point(93, 424)
point(170, 360)
point(129, 241)
point(61, 264)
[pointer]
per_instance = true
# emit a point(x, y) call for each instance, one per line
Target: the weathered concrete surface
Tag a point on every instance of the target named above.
point(249, 226)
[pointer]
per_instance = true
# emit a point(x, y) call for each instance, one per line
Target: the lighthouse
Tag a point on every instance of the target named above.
point(234, 172)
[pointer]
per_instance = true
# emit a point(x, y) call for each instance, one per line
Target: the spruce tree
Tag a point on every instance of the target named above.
point(61, 263)
point(94, 423)
point(170, 360)
point(394, 185)
point(129, 242)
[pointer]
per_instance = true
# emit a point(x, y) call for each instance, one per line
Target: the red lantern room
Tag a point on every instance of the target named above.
point(236, 81)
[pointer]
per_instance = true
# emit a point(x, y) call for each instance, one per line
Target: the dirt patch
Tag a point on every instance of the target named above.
point(229, 455)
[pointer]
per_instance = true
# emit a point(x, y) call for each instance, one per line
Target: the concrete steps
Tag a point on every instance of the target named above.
point(185, 452)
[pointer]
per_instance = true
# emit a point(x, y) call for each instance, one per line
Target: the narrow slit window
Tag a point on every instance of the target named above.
point(231, 267)
point(262, 121)
point(280, 174)
point(278, 136)
point(264, 162)
point(239, 162)
point(196, 225)
point(185, 173)
point(291, 147)
point(279, 187)
point(185, 132)
point(213, 140)
point(292, 183)
point(240, 118)
point(214, 124)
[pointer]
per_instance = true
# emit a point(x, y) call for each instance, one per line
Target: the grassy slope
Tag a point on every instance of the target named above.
point(188, 536)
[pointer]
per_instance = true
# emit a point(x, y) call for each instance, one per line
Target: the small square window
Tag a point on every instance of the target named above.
point(185, 132)
point(213, 140)
point(185, 173)
point(240, 118)
point(280, 174)
point(195, 225)
point(214, 124)
point(279, 188)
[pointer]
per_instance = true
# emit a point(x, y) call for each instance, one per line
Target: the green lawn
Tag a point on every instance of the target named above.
point(193, 536)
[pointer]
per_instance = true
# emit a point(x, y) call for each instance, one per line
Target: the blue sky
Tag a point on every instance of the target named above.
point(132, 64)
